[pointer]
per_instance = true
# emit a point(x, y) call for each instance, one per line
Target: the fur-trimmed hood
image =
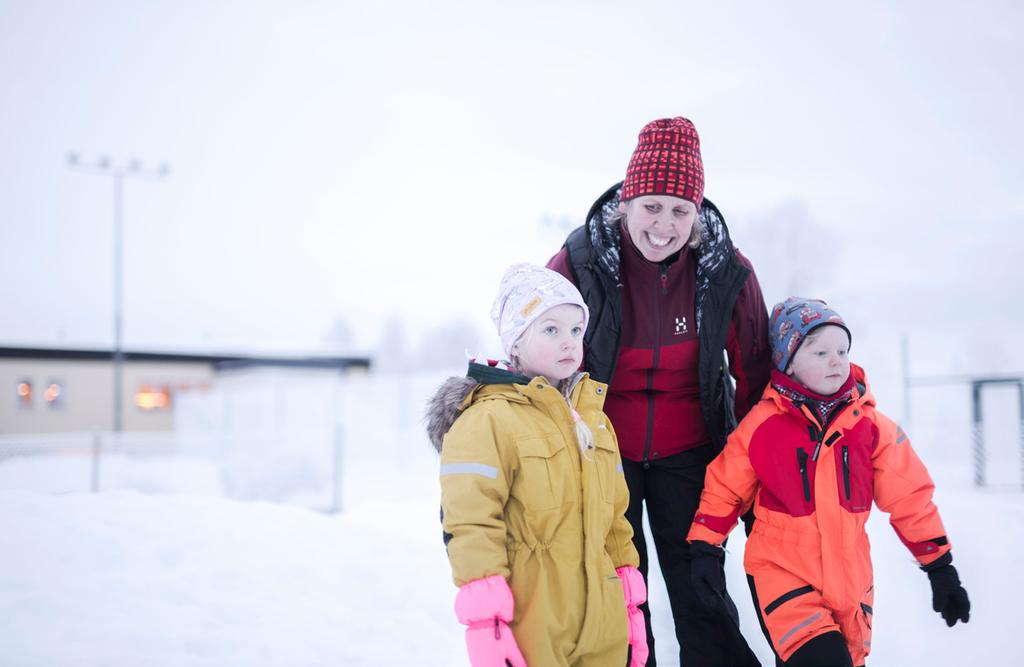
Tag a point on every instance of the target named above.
point(450, 399)
point(457, 393)
point(446, 406)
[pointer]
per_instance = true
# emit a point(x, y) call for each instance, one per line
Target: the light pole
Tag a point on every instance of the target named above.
point(105, 166)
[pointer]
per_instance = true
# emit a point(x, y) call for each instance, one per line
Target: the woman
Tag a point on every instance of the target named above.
point(668, 295)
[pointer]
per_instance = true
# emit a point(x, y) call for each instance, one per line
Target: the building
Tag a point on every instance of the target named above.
point(55, 390)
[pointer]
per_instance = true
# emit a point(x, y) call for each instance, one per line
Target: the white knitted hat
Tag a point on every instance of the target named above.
point(528, 291)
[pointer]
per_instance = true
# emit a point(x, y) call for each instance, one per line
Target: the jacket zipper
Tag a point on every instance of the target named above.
point(654, 365)
point(801, 459)
point(846, 471)
point(817, 435)
point(650, 412)
point(618, 333)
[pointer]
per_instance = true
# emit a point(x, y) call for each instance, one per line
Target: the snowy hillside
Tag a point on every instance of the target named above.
point(123, 578)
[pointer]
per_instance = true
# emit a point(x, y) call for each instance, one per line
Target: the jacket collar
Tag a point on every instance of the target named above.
point(782, 381)
point(857, 380)
point(494, 374)
point(486, 382)
point(515, 387)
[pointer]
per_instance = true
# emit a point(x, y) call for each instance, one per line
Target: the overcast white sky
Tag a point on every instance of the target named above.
point(389, 160)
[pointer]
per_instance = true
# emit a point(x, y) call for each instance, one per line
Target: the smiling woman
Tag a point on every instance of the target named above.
point(660, 225)
point(668, 295)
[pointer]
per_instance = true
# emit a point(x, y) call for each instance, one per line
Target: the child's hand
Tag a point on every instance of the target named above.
point(635, 591)
point(707, 576)
point(486, 606)
point(492, 644)
point(949, 597)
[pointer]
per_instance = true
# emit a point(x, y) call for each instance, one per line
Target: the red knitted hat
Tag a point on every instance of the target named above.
point(666, 162)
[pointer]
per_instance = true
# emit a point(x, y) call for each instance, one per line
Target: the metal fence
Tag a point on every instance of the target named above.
point(980, 449)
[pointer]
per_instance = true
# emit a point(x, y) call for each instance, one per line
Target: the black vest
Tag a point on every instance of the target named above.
point(719, 280)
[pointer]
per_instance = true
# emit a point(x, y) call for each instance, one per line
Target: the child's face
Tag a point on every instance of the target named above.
point(659, 225)
point(821, 363)
point(553, 345)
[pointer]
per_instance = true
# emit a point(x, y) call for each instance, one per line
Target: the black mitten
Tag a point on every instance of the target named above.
point(706, 574)
point(948, 597)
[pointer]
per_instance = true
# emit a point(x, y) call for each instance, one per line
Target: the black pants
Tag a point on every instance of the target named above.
point(827, 650)
point(671, 488)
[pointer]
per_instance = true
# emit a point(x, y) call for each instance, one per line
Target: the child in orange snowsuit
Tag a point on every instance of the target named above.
point(812, 455)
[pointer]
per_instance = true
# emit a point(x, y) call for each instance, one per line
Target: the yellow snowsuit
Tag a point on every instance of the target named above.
point(518, 500)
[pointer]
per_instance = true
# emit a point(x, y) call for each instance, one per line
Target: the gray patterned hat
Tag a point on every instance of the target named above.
point(792, 321)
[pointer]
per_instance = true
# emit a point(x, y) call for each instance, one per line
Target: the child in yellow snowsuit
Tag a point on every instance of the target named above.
point(533, 497)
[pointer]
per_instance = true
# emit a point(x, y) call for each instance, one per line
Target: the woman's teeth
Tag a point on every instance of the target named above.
point(658, 241)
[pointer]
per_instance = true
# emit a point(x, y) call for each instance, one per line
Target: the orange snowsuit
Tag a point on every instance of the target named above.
point(808, 556)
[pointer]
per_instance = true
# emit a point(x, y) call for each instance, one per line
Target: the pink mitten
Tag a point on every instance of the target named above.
point(635, 591)
point(486, 606)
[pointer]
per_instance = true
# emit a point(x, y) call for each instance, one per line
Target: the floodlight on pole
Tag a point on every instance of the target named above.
point(134, 168)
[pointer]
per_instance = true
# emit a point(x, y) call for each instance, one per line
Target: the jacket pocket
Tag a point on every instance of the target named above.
point(865, 620)
point(606, 462)
point(786, 597)
point(854, 468)
point(866, 613)
point(846, 471)
point(542, 480)
point(801, 460)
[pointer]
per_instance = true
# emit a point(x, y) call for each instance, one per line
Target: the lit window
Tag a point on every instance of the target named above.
point(54, 395)
point(149, 398)
point(23, 394)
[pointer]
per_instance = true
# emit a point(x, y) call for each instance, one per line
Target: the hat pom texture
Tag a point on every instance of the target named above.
point(666, 161)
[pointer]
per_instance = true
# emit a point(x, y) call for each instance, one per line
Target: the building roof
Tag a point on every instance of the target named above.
point(218, 361)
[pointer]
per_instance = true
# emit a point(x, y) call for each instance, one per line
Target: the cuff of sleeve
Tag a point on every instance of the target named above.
point(704, 534)
point(926, 550)
point(940, 562)
point(633, 587)
point(928, 558)
point(484, 599)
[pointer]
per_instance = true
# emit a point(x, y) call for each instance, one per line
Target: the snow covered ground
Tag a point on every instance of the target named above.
point(128, 578)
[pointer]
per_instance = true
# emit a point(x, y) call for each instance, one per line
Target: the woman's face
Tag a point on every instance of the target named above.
point(659, 225)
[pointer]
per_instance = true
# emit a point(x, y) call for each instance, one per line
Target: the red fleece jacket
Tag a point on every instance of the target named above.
point(654, 398)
